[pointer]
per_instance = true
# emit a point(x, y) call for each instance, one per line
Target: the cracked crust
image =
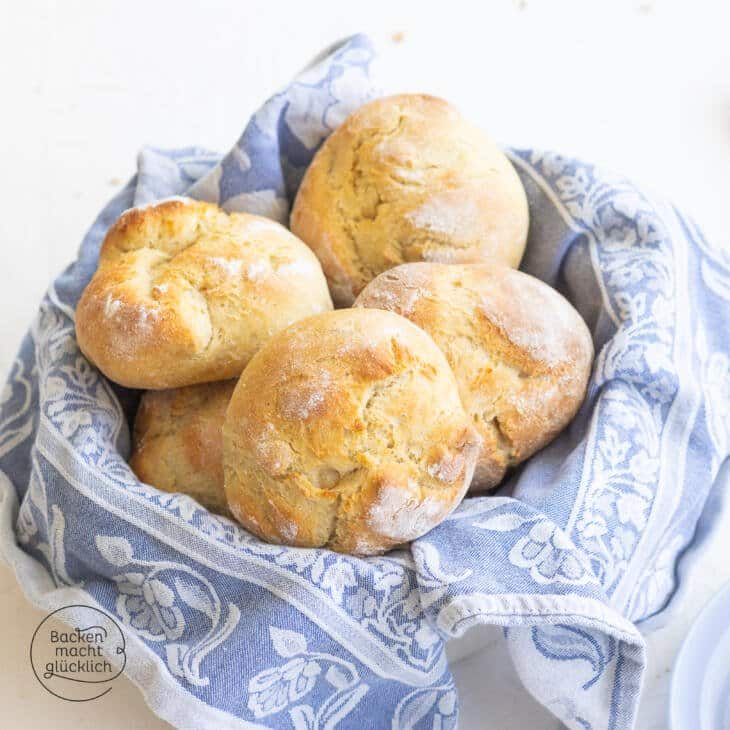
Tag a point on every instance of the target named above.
point(520, 352)
point(406, 178)
point(177, 444)
point(346, 431)
point(186, 293)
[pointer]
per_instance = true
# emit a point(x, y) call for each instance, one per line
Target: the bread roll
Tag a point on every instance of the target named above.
point(346, 431)
point(521, 354)
point(406, 178)
point(178, 441)
point(186, 293)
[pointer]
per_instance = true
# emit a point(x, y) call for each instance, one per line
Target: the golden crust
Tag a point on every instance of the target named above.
point(186, 293)
point(406, 178)
point(178, 441)
point(346, 431)
point(520, 352)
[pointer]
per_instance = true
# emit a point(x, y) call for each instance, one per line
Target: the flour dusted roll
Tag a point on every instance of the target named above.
point(520, 352)
point(407, 178)
point(186, 293)
point(346, 431)
point(178, 441)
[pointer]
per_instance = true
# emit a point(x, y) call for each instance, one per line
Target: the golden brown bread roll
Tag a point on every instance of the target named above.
point(178, 441)
point(186, 293)
point(520, 352)
point(346, 431)
point(406, 178)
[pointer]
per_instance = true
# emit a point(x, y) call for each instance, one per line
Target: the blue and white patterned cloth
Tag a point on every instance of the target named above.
point(225, 631)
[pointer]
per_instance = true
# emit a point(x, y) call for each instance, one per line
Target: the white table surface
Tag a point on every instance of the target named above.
point(642, 87)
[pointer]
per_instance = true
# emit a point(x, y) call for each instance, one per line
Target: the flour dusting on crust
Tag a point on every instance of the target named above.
point(298, 402)
point(298, 267)
point(533, 316)
point(449, 213)
point(154, 203)
point(399, 513)
point(401, 300)
point(262, 224)
point(448, 468)
point(232, 267)
point(138, 317)
point(111, 306)
point(287, 528)
point(241, 516)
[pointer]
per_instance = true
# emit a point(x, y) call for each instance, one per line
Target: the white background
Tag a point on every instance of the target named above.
point(642, 87)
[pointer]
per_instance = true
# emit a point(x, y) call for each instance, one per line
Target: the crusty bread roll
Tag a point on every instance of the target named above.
point(346, 431)
point(406, 178)
point(520, 352)
point(186, 293)
point(178, 441)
